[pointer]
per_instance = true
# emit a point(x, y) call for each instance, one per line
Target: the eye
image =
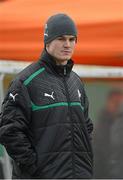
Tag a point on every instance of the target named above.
point(72, 39)
point(60, 38)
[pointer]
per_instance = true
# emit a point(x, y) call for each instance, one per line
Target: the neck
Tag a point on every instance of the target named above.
point(48, 60)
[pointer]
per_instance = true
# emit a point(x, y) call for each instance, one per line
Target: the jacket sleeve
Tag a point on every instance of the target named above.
point(14, 126)
point(88, 121)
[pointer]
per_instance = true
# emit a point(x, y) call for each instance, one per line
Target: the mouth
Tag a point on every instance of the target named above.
point(66, 52)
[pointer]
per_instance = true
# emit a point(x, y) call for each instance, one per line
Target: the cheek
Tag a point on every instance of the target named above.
point(55, 51)
point(73, 45)
point(51, 49)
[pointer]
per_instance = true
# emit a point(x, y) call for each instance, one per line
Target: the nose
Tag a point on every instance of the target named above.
point(67, 43)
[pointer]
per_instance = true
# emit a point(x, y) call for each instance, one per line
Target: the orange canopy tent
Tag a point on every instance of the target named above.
point(99, 22)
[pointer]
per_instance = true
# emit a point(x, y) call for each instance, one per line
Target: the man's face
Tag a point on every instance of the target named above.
point(114, 102)
point(62, 48)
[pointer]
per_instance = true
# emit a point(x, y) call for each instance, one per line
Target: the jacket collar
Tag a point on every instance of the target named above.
point(48, 61)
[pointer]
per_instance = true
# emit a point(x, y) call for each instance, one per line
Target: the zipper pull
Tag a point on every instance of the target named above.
point(65, 72)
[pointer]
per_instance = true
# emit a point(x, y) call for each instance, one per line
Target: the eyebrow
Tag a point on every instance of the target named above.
point(63, 36)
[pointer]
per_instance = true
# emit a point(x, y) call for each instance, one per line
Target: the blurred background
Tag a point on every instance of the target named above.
point(98, 61)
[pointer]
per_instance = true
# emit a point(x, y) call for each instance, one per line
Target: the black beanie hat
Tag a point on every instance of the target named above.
point(58, 25)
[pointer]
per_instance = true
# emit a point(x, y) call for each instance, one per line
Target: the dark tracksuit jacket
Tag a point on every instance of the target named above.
point(44, 124)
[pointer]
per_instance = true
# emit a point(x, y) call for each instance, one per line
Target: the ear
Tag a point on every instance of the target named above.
point(47, 46)
point(76, 40)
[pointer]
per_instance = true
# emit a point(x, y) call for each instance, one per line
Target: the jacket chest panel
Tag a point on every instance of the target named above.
point(52, 89)
point(47, 91)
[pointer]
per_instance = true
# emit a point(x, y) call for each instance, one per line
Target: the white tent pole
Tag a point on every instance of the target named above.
point(84, 71)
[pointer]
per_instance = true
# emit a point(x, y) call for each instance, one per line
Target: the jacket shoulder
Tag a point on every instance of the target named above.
point(17, 84)
point(27, 72)
point(77, 77)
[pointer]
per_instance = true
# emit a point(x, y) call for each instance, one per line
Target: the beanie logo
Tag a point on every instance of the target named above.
point(46, 30)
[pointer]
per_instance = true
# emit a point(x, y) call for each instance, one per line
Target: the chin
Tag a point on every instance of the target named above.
point(66, 58)
point(63, 58)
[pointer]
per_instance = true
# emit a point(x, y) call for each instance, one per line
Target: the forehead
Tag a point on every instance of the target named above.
point(65, 37)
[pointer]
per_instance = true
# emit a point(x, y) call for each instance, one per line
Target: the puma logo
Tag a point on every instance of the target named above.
point(46, 30)
point(13, 96)
point(49, 95)
point(79, 94)
point(45, 34)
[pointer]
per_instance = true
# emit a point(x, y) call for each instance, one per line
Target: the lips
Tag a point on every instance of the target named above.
point(66, 52)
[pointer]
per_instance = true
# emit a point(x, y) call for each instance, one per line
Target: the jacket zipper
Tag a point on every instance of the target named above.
point(69, 114)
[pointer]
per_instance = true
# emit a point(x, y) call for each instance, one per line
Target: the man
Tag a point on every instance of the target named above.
point(44, 122)
point(108, 146)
